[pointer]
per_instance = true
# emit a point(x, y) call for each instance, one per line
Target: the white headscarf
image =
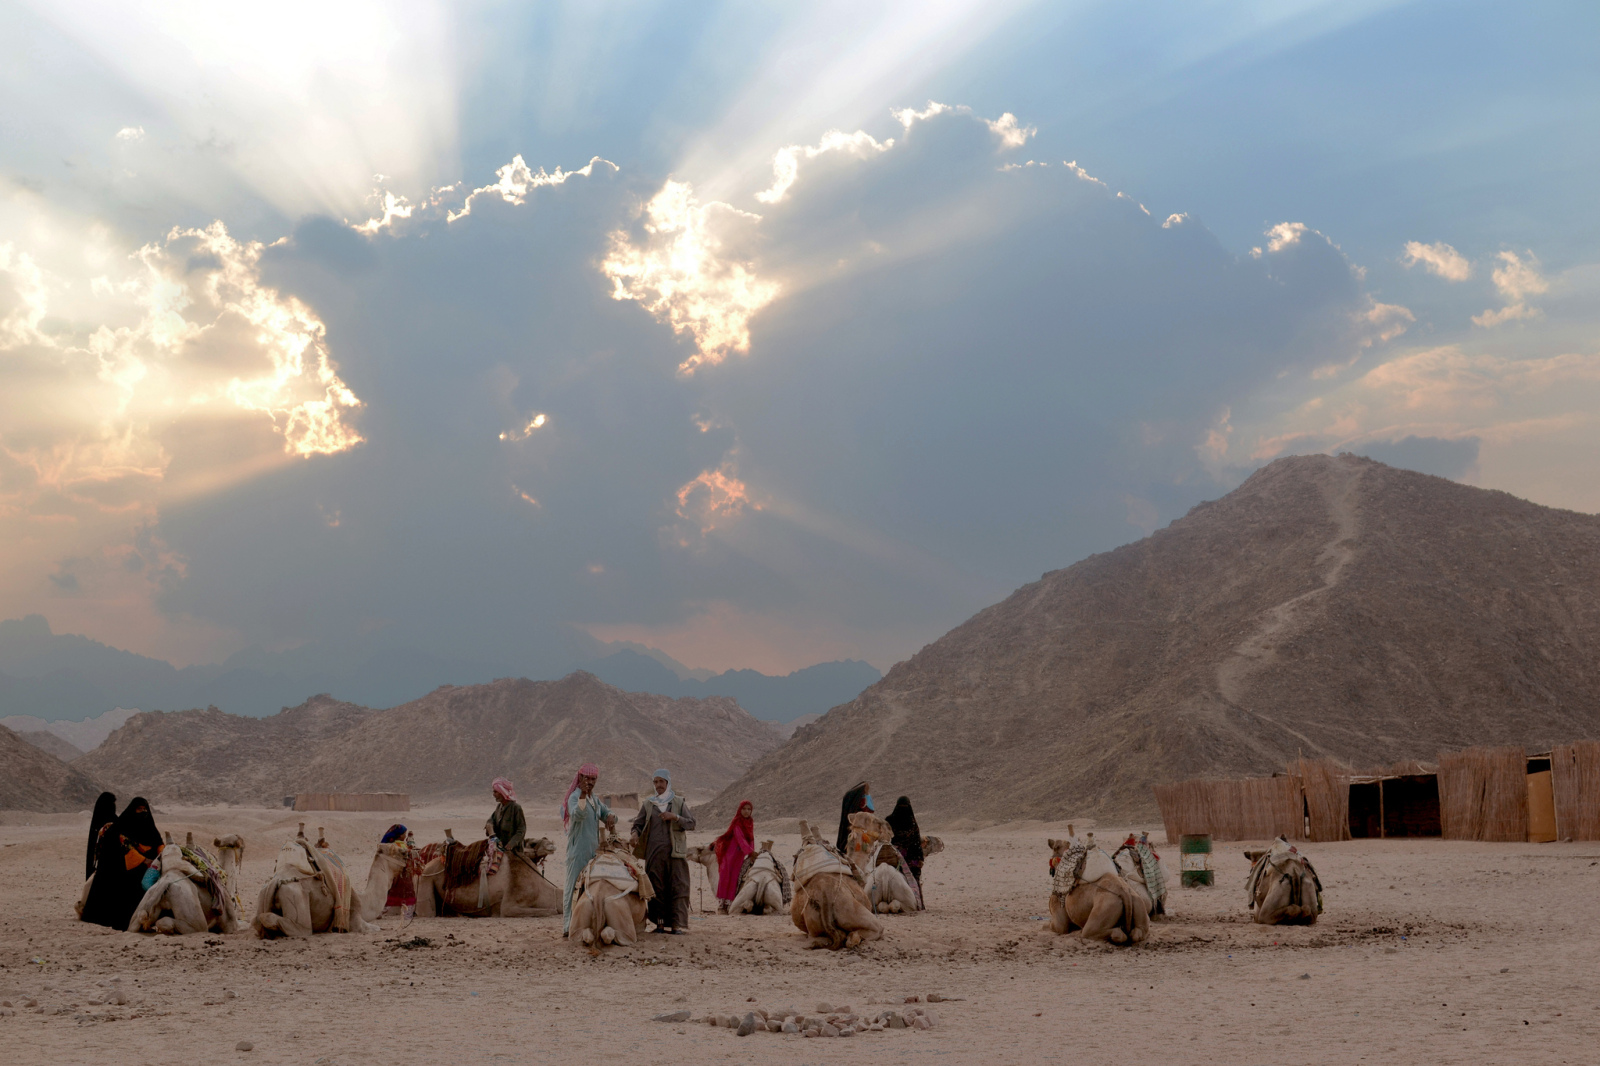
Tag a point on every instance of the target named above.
point(663, 800)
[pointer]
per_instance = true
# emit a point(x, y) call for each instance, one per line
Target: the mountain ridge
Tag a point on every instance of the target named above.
point(1331, 605)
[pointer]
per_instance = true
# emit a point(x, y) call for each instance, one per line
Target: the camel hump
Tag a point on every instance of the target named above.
point(1097, 864)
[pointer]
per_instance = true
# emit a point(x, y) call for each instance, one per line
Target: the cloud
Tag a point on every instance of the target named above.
point(714, 498)
point(685, 269)
point(786, 163)
point(1439, 259)
point(517, 179)
point(131, 133)
point(1517, 279)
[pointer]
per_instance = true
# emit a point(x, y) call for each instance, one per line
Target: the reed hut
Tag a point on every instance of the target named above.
point(352, 801)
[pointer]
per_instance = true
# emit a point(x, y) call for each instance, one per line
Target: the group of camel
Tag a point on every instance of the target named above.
point(837, 900)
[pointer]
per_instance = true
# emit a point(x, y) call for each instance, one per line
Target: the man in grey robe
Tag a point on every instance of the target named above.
point(662, 824)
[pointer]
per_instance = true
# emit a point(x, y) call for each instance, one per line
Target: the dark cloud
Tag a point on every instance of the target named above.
point(968, 376)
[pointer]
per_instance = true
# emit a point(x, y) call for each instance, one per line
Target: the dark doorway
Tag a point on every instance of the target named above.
point(1411, 806)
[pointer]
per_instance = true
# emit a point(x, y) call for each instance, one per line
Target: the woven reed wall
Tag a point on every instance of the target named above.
point(1575, 775)
point(1257, 808)
point(352, 801)
point(1483, 794)
point(1327, 790)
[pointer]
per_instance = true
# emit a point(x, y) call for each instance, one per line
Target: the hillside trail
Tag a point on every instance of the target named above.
point(1260, 649)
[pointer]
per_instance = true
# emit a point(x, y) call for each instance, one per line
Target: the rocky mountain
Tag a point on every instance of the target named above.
point(454, 740)
point(1332, 606)
point(208, 756)
point(780, 698)
point(35, 780)
point(48, 742)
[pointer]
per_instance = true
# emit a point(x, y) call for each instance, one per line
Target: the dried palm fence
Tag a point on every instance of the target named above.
point(1575, 775)
point(1313, 795)
point(1483, 794)
point(1326, 785)
point(352, 801)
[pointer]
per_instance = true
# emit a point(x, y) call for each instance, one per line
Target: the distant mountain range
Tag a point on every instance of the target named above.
point(451, 742)
point(49, 678)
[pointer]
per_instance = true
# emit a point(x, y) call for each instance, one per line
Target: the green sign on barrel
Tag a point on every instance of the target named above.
point(1195, 859)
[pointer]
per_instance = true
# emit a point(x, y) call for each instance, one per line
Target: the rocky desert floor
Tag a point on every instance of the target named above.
point(1429, 952)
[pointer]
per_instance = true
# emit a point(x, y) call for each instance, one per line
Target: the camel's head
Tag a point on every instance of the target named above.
point(931, 846)
point(232, 842)
point(536, 850)
point(395, 851)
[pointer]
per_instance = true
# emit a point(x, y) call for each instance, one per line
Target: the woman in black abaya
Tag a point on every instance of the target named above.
point(857, 799)
point(105, 812)
point(127, 848)
point(907, 836)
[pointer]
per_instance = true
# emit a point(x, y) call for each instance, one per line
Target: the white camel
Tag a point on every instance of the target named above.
point(309, 891)
point(186, 898)
point(878, 864)
point(764, 887)
point(610, 903)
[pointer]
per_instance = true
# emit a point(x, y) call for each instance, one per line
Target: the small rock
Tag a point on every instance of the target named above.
point(824, 1008)
point(810, 1032)
point(229, 994)
point(848, 1030)
point(1505, 969)
point(748, 1025)
point(875, 1027)
point(774, 1025)
point(245, 1045)
point(922, 1022)
point(674, 1016)
point(913, 999)
point(934, 997)
point(896, 1022)
point(933, 1019)
point(828, 1030)
point(1307, 977)
point(788, 1027)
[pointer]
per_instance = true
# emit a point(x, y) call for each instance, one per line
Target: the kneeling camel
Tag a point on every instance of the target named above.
point(1087, 893)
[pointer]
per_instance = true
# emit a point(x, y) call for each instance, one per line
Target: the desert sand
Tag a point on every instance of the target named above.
point(1429, 952)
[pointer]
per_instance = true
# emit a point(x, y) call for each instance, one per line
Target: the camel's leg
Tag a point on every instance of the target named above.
point(83, 897)
point(773, 897)
point(186, 910)
point(1060, 924)
point(745, 901)
point(1104, 918)
point(619, 920)
point(295, 911)
point(582, 924)
point(165, 924)
point(1272, 909)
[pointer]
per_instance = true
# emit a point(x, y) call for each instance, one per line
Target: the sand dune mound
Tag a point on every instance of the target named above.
point(35, 780)
point(452, 741)
point(1334, 606)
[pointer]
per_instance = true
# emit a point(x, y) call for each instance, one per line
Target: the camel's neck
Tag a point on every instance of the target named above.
point(384, 870)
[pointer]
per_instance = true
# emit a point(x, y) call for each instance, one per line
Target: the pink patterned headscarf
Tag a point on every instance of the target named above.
point(588, 769)
point(503, 790)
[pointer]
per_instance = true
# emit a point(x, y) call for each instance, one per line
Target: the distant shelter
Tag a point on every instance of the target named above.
point(352, 801)
point(1481, 793)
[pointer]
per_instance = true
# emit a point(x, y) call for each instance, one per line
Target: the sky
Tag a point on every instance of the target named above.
point(763, 334)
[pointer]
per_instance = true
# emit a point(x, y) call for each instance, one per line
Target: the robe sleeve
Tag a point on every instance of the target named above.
point(685, 818)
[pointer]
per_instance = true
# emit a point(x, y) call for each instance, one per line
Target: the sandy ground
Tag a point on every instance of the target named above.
point(1429, 952)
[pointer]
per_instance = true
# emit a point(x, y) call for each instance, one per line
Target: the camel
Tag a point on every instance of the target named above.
point(1283, 888)
point(878, 863)
point(299, 900)
point(764, 886)
point(610, 901)
point(706, 856)
point(451, 884)
point(1092, 896)
point(830, 905)
point(230, 851)
point(1131, 866)
point(190, 895)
